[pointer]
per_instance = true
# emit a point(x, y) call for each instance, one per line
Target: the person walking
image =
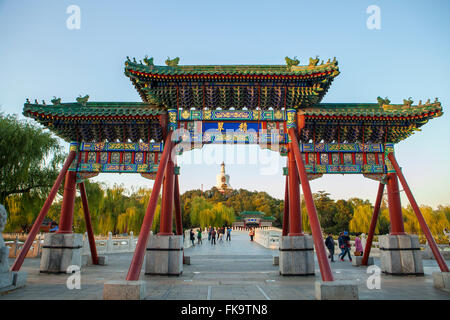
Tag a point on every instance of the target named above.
point(251, 234)
point(341, 245)
point(220, 232)
point(209, 233)
point(199, 236)
point(213, 236)
point(229, 234)
point(347, 246)
point(358, 246)
point(192, 237)
point(329, 242)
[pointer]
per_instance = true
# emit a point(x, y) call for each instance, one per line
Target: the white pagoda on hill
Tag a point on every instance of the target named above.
point(223, 180)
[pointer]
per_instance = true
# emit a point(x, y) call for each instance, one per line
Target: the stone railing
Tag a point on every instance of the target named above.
point(111, 244)
point(268, 237)
point(15, 246)
point(443, 248)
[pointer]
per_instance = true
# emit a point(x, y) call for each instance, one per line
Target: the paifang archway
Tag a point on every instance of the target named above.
point(276, 106)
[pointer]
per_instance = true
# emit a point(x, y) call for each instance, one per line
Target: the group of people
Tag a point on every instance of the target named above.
point(213, 233)
point(344, 245)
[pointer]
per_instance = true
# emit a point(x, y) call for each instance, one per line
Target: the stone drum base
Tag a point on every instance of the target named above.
point(336, 290)
point(441, 280)
point(357, 261)
point(61, 250)
point(400, 255)
point(9, 280)
point(164, 255)
point(296, 256)
point(124, 290)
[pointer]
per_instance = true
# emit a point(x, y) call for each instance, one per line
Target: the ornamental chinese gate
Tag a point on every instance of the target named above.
point(277, 107)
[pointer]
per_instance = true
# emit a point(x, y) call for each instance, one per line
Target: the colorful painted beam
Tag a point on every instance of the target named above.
point(121, 146)
point(232, 115)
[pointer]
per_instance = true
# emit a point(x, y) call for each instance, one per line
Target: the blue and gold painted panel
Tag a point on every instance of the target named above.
point(232, 115)
point(121, 146)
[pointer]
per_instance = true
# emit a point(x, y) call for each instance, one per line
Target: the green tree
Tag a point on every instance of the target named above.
point(30, 158)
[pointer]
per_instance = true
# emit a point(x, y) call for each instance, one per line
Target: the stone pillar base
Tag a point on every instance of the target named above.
point(441, 280)
point(124, 290)
point(400, 255)
point(276, 260)
point(164, 255)
point(61, 250)
point(9, 280)
point(296, 256)
point(357, 261)
point(336, 290)
point(87, 260)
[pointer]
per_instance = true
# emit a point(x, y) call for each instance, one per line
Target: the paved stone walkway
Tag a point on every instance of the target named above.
point(225, 271)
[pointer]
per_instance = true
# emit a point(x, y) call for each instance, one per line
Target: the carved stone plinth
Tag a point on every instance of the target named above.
point(164, 255)
point(401, 255)
point(296, 255)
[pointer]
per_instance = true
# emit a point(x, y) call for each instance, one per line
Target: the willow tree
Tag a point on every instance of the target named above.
point(30, 158)
point(362, 216)
point(204, 213)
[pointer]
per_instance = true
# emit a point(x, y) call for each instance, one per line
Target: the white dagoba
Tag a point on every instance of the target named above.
point(223, 180)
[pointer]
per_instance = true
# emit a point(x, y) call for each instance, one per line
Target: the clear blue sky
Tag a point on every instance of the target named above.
point(409, 56)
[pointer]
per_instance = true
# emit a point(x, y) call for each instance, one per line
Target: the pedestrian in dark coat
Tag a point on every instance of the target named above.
point(329, 242)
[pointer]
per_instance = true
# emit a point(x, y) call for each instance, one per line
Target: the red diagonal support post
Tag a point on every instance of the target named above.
point(373, 224)
point(438, 256)
point(87, 218)
point(286, 208)
point(316, 230)
point(178, 218)
point(37, 224)
point(138, 258)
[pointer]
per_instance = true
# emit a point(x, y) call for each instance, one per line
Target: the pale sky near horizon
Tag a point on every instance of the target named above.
point(408, 57)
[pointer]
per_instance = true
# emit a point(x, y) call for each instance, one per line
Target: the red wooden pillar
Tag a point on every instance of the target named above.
point(87, 218)
point(316, 230)
point(373, 224)
point(395, 206)
point(66, 219)
point(138, 257)
point(38, 222)
point(423, 225)
point(167, 200)
point(178, 218)
point(286, 208)
point(295, 219)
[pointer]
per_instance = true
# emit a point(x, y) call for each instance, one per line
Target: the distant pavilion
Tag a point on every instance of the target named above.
point(252, 219)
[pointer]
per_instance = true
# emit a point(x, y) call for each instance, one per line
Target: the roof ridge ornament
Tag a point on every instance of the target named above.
point(313, 62)
point(56, 101)
point(291, 62)
point(172, 63)
point(82, 100)
point(408, 102)
point(148, 61)
point(382, 102)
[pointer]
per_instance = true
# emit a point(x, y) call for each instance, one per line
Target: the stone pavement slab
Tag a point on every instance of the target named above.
point(227, 271)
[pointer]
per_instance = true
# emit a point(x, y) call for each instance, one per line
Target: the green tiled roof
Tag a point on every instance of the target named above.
point(251, 213)
point(92, 109)
point(97, 121)
point(232, 86)
point(370, 109)
point(232, 69)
